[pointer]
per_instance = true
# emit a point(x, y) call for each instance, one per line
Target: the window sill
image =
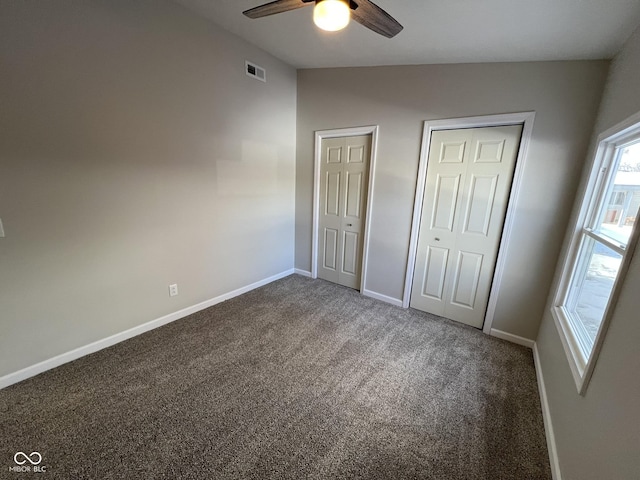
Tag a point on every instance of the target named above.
point(577, 362)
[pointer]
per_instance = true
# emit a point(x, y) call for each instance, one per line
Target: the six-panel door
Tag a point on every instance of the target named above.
point(343, 193)
point(469, 177)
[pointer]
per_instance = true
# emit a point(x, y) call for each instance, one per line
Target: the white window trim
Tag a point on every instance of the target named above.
point(607, 142)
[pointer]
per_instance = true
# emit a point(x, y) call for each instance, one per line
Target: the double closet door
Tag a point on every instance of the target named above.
point(469, 176)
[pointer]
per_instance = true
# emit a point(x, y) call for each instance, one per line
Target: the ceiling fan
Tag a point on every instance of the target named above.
point(334, 15)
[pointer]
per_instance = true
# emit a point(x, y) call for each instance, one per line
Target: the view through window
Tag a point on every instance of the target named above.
point(603, 246)
point(597, 257)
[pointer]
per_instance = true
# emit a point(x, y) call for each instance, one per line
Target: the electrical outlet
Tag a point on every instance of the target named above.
point(173, 290)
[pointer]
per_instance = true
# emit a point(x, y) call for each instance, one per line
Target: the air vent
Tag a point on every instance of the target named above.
point(255, 71)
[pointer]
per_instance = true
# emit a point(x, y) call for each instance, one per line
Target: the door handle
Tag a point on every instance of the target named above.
point(349, 225)
point(437, 239)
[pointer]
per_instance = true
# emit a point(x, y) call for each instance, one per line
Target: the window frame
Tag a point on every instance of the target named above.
point(591, 209)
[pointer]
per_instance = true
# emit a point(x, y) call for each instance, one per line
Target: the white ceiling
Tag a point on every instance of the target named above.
point(439, 31)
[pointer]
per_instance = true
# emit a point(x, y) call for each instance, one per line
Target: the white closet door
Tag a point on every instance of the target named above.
point(343, 195)
point(469, 177)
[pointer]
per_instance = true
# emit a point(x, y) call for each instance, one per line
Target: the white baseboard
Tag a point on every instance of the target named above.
point(63, 358)
point(546, 415)
point(304, 273)
point(510, 337)
point(384, 298)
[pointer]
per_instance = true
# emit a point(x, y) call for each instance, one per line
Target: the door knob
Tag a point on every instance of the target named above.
point(349, 225)
point(437, 239)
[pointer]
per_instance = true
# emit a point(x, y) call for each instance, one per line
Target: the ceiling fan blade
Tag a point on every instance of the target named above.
point(374, 18)
point(278, 6)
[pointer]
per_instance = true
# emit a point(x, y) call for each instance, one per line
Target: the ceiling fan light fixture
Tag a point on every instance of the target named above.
point(331, 15)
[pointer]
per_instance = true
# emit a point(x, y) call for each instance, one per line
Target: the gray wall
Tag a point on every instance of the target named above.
point(134, 153)
point(598, 435)
point(565, 97)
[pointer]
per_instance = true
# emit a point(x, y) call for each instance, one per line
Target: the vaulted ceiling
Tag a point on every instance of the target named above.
point(439, 31)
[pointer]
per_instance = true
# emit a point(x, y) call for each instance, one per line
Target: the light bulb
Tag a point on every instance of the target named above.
point(331, 15)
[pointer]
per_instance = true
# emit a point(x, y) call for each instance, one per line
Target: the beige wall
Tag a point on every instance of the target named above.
point(564, 95)
point(598, 435)
point(134, 153)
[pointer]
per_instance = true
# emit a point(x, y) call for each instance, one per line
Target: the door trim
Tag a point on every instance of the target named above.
point(343, 132)
point(523, 118)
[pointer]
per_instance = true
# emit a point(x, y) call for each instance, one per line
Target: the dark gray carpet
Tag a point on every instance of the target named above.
point(298, 379)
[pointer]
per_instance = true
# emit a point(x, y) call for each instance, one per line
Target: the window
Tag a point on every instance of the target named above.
point(600, 249)
point(617, 198)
